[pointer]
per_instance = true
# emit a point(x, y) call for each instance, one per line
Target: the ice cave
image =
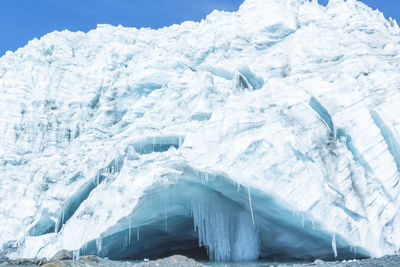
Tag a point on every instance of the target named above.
point(267, 133)
point(207, 216)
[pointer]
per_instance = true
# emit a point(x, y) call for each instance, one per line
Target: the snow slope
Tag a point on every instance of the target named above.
point(273, 130)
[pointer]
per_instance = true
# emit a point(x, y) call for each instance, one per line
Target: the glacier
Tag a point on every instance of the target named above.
point(271, 132)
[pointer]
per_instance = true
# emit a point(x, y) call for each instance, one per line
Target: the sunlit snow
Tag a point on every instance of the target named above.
point(271, 132)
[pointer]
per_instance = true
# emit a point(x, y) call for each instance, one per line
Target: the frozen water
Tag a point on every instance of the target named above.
point(223, 225)
point(271, 132)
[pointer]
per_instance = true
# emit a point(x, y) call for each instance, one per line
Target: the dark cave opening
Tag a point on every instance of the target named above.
point(215, 221)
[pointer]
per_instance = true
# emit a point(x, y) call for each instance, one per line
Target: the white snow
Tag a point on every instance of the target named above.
point(286, 109)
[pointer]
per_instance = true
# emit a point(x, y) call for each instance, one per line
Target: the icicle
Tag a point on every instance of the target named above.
point(166, 221)
point(57, 222)
point(334, 245)
point(62, 219)
point(180, 141)
point(75, 254)
point(251, 207)
point(138, 232)
point(84, 248)
point(129, 230)
point(98, 245)
point(227, 232)
point(166, 212)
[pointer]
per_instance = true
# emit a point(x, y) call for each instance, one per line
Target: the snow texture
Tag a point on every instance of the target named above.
point(270, 132)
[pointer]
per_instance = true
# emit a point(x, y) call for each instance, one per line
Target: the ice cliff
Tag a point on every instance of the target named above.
point(270, 132)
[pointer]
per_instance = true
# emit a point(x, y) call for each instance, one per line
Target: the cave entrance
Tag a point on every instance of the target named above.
point(187, 218)
point(218, 221)
point(152, 241)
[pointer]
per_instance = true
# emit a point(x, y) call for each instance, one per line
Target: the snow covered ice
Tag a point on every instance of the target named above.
point(270, 132)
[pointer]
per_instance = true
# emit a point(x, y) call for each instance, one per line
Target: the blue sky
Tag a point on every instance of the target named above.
point(22, 20)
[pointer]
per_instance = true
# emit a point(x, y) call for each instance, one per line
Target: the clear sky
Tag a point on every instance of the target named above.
point(22, 20)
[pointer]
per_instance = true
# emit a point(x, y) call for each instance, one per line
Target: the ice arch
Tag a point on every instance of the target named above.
point(204, 215)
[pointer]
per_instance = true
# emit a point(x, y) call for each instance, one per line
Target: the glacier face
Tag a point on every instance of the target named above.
point(268, 132)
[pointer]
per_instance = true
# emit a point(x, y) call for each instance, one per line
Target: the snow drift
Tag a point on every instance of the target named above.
point(270, 132)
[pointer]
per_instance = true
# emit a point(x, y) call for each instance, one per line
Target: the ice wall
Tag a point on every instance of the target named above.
point(270, 132)
point(209, 215)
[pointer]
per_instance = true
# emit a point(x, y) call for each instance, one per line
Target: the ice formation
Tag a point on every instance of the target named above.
point(270, 132)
